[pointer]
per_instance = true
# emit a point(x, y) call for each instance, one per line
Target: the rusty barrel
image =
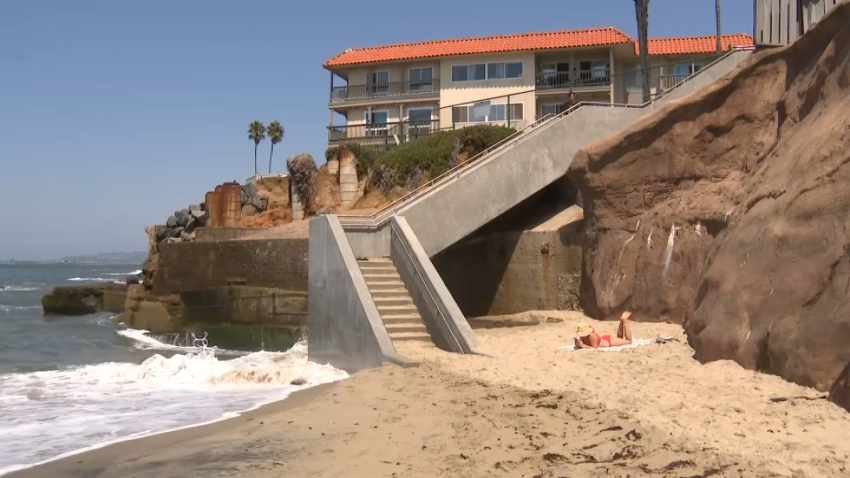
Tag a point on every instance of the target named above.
point(231, 204)
point(215, 208)
point(209, 200)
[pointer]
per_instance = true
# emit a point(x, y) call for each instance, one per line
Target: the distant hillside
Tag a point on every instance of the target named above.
point(118, 257)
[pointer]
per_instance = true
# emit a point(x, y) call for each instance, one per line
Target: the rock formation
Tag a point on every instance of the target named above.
point(840, 393)
point(81, 300)
point(728, 212)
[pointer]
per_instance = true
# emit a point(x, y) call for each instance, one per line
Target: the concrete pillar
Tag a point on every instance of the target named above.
point(297, 207)
point(347, 177)
point(333, 166)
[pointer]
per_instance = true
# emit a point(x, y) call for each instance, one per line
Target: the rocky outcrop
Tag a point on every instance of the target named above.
point(81, 300)
point(728, 211)
point(840, 392)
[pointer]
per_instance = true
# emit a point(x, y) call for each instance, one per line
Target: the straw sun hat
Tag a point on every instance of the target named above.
point(584, 329)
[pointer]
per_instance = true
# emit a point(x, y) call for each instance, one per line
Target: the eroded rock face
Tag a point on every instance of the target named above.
point(840, 393)
point(729, 212)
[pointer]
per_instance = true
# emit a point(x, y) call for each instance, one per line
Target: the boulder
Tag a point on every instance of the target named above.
point(194, 208)
point(198, 214)
point(172, 240)
point(171, 222)
point(203, 206)
point(243, 197)
point(76, 300)
point(191, 225)
point(162, 232)
point(840, 392)
point(183, 217)
point(176, 231)
point(717, 212)
point(249, 210)
point(186, 237)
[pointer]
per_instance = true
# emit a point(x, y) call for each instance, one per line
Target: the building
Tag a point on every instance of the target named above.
point(779, 22)
point(393, 93)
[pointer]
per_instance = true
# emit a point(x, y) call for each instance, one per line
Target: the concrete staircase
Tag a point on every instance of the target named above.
point(399, 314)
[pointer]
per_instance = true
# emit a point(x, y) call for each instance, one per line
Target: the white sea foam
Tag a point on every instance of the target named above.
point(7, 308)
point(51, 413)
point(145, 342)
point(12, 288)
point(134, 273)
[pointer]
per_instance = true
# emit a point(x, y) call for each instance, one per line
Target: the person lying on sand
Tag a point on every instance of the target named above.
point(589, 339)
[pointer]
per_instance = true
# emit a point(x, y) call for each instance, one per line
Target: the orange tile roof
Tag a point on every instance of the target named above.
point(687, 45)
point(471, 46)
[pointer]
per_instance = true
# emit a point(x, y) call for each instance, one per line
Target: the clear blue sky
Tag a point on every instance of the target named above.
point(115, 113)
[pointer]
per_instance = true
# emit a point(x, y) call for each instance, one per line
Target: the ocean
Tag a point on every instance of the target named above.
point(68, 384)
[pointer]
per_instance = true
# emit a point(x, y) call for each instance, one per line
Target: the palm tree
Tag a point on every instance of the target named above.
point(719, 30)
point(642, 15)
point(275, 131)
point(257, 133)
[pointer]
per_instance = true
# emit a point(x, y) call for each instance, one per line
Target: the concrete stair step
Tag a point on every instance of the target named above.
point(394, 301)
point(378, 266)
point(390, 293)
point(381, 284)
point(410, 337)
point(397, 309)
point(403, 319)
point(394, 329)
point(381, 275)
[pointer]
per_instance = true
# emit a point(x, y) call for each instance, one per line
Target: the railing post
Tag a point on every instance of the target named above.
point(508, 112)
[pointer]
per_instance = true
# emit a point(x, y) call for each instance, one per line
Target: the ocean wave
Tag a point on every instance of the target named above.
point(134, 273)
point(7, 308)
point(145, 342)
point(12, 288)
point(44, 411)
point(91, 279)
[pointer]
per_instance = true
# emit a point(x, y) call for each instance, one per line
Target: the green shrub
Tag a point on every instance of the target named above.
point(409, 163)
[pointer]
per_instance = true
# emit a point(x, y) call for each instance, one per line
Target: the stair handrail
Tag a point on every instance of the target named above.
point(426, 285)
point(491, 150)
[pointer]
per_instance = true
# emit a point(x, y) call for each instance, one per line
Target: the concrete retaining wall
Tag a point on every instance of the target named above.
point(369, 243)
point(443, 318)
point(277, 263)
point(245, 305)
point(348, 187)
point(344, 325)
point(210, 234)
point(510, 272)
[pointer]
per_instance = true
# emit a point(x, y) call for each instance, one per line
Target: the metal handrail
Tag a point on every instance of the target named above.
point(457, 170)
point(427, 287)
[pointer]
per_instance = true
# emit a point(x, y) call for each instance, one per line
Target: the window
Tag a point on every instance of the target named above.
point(484, 112)
point(552, 109)
point(600, 69)
point(687, 69)
point(420, 80)
point(377, 117)
point(376, 123)
point(489, 71)
point(554, 74)
point(378, 83)
point(419, 115)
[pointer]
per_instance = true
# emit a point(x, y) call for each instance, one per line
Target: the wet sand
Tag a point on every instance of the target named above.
point(531, 410)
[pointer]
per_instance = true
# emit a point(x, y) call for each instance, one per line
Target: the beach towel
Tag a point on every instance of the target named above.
point(635, 343)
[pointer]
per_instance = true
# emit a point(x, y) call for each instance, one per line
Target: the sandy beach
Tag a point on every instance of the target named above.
point(529, 410)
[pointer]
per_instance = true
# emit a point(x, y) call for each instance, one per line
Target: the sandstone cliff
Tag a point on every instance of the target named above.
point(729, 212)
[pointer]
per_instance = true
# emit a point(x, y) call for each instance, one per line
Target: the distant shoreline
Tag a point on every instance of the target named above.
point(66, 263)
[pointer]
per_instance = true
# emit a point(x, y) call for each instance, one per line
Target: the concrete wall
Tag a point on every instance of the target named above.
point(278, 263)
point(245, 305)
point(367, 243)
point(443, 318)
point(344, 325)
point(455, 209)
point(212, 234)
point(514, 271)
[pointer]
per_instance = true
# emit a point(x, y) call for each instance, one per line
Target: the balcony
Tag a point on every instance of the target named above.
point(665, 82)
point(378, 91)
point(576, 79)
point(381, 135)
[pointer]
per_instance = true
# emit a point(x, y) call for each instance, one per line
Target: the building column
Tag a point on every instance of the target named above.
point(611, 72)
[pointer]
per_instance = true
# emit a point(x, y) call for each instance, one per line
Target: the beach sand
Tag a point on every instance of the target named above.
point(529, 410)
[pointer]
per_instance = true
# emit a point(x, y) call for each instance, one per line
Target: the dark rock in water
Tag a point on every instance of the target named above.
point(2, 287)
point(298, 381)
point(840, 392)
point(171, 222)
point(132, 280)
point(77, 300)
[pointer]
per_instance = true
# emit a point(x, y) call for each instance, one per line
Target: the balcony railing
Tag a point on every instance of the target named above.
point(665, 82)
point(573, 79)
point(384, 90)
point(382, 134)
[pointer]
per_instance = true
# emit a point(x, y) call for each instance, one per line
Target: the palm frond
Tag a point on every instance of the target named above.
point(276, 132)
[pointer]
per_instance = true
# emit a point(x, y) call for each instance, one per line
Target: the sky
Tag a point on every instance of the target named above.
point(113, 114)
